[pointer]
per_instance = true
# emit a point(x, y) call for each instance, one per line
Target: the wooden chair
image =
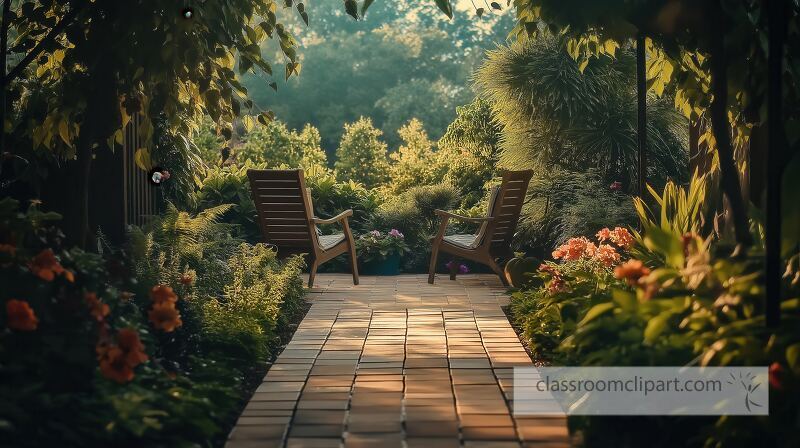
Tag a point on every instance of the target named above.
point(493, 238)
point(286, 217)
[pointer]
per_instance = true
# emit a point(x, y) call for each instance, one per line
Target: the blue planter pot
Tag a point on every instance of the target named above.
point(388, 266)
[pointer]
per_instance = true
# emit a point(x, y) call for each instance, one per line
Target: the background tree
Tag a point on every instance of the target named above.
point(135, 57)
point(470, 150)
point(276, 145)
point(415, 162)
point(361, 156)
point(554, 113)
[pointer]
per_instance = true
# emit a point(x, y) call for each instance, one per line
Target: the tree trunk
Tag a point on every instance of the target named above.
point(775, 161)
point(729, 177)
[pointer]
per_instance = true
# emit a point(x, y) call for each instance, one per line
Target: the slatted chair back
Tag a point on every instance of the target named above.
point(284, 208)
point(505, 209)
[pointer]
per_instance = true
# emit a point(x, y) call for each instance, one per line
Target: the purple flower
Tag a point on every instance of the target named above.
point(449, 264)
point(463, 269)
point(395, 233)
point(375, 233)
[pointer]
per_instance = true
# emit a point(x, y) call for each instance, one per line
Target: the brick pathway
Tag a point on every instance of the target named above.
point(396, 362)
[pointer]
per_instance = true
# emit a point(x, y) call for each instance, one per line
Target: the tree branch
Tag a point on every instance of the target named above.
point(39, 48)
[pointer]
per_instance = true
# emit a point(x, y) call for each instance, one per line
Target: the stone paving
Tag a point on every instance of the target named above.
point(396, 362)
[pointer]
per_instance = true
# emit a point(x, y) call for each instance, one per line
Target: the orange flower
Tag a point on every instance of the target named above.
point(21, 316)
point(631, 271)
point(187, 279)
point(607, 255)
point(113, 365)
point(621, 237)
point(46, 266)
point(97, 309)
point(10, 249)
point(128, 340)
point(118, 361)
point(604, 234)
point(165, 317)
point(575, 249)
point(163, 293)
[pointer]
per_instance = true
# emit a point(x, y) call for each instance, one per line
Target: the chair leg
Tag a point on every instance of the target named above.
point(497, 270)
point(312, 273)
point(453, 268)
point(353, 262)
point(432, 268)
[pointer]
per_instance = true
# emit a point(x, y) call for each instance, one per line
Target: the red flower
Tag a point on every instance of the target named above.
point(20, 316)
point(118, 361)
point(186, 279)
point(574, 249)
point(46, 266)
point(631, 271)
point(607, 255)
point(621, 237)
point(604, 234)
point(163, 293)
point(776, 374)
point(97, 309)
point(164, 316)
point(615, 186)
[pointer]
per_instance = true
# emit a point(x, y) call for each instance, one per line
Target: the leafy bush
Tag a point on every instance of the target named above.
point(230, 185)
point(361, 156)
point(275, 145)
point(94, 357)
point(562, 204)
point(332, 197)
point(415, 162)
point(469, 149)
point(209, 142)
point(681, 299)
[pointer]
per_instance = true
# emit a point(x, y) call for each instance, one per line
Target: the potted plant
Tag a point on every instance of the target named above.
point(380, 252)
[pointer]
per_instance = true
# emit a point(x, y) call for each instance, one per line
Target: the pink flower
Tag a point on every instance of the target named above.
point(615, 186)
point(549, 269)
point(375, 233)
point(621, 237)
point(607, 255)
point(574, 249)
point(395, 233)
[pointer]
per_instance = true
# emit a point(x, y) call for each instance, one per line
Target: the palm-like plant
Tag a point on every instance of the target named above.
point(555, 114)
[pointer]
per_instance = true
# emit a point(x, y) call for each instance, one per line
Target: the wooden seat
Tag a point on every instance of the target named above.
point(493, 239)
point(287, 221)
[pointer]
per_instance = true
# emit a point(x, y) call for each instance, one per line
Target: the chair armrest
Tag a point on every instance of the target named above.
point(340, 217)
point(443, 214)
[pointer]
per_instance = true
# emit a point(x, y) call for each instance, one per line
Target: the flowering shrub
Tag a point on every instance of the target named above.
point(461, 268)
point(677, 299)
point(376, 246)
point(112, 359)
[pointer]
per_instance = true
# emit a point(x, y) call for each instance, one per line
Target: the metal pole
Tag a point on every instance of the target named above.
point(641, 94)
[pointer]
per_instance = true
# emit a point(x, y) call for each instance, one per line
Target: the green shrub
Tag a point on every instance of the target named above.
point(415, 162)
point(361, 156)
point(563, 203)
point(230, 185)
point(243, 319)
point(275, 145)
point(332, 197)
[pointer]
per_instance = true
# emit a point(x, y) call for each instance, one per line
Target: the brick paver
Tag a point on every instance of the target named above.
point(396, 362)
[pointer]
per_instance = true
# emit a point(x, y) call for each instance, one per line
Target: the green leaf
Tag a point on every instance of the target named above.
point(793, 357)
point(351, 7)
point(656, 326)
point(595, 312)
point(365, 6)
point(625, 299)
point(445, 7)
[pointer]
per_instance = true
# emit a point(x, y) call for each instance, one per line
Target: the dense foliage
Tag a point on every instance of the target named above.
point(670, 296)
point(114, 349)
